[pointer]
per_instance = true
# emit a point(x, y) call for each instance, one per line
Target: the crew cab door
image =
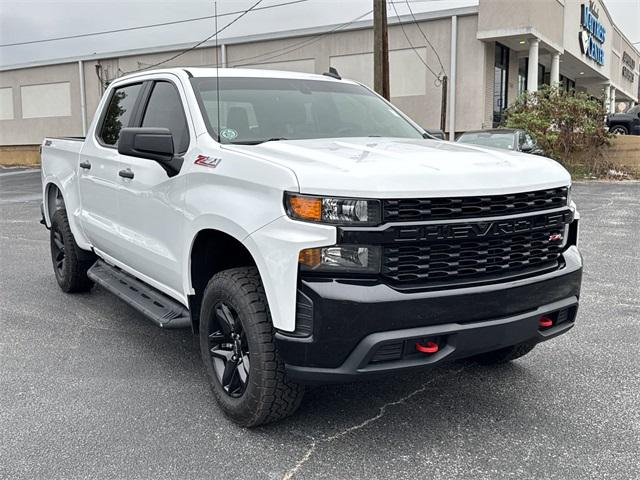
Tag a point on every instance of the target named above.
point(99, 164)
point(150, 198)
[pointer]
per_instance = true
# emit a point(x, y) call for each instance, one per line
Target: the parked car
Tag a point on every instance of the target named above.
point(307, 232)
point(506, 138)
point(627, 123)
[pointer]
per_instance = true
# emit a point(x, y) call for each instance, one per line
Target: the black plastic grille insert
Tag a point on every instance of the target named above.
point(424, 209)
point(470, 260)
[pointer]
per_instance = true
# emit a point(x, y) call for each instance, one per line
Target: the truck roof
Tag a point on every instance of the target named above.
point(238, 72)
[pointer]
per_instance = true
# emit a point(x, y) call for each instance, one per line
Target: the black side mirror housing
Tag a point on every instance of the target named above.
point(150, 143)
point(434, 133)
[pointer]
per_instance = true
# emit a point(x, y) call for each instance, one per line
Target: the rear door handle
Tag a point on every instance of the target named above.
point(127, 173)
point(85, 165)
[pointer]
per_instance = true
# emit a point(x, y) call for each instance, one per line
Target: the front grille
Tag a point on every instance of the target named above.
point(424, 209)
point(449, 262)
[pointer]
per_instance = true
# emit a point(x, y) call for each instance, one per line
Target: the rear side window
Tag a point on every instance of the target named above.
point(119, 113)
point(164, 110)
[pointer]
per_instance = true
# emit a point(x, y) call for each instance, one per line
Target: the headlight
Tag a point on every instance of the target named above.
point(332, 210)
point(342, 258)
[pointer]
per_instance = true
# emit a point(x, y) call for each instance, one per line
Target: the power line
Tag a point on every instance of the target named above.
point(152, 25)
point(296, 46)
point(214, 34)
point(412, 47)
point(425, 36)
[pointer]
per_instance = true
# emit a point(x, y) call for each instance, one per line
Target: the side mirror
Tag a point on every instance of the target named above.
point(152, 143)
point(434, 133)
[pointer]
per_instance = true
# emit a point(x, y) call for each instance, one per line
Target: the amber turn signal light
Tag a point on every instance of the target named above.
point(305, 208)
point(310, 257)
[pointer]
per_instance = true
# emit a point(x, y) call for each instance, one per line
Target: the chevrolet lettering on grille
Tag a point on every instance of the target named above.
point(479, 229)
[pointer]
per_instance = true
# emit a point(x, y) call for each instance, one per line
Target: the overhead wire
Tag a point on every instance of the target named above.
point(151, 25)
point(415, 21)
point(296, 46)
point(437, 76)
point(214, 34)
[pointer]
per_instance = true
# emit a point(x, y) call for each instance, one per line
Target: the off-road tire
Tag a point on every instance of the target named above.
point(71, 274)
point(268, 395)
point(504, 355)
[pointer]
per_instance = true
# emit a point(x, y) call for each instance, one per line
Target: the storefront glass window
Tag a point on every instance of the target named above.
point(523, 64)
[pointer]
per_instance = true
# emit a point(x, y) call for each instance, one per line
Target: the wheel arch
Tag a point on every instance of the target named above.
point(211, 252)
point(53, 200)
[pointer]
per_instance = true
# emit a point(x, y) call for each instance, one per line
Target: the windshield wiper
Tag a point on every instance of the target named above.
point(258, 142)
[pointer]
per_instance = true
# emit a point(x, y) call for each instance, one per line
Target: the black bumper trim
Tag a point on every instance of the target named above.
point(345, 312)
point(462, 340)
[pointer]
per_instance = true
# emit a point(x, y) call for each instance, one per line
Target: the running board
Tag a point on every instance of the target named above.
point(155, 305)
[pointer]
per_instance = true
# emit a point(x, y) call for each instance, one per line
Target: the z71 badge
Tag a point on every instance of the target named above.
point(207, 161)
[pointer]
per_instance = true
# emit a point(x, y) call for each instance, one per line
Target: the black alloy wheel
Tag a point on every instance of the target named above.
point(58, 251)
point(235, 325)
point(229, 350)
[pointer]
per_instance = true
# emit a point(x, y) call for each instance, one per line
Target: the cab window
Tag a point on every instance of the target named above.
point(164, 110)
point(118, 113)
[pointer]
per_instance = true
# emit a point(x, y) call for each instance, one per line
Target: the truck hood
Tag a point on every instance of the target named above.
point(404, 168)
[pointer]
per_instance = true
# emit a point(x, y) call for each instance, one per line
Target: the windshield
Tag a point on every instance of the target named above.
point(504, 140)
point(634, 110)
point(255, 110)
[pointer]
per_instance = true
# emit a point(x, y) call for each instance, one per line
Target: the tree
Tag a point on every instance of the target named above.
point(568, 126)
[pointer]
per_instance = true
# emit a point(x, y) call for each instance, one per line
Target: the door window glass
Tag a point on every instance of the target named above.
point(118, 113)
point(164, 110)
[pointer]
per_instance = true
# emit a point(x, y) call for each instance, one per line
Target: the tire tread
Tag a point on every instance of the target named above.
point(276, 397)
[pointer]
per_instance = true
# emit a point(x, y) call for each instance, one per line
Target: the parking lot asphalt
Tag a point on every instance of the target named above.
point(90, 389)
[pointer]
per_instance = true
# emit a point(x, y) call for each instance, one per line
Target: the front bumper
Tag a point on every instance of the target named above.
point(358, 329)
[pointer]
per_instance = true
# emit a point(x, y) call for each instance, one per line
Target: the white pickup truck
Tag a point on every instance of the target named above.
point(308, 231)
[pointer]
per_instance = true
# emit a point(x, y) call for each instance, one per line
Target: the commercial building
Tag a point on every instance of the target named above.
point(490, 50)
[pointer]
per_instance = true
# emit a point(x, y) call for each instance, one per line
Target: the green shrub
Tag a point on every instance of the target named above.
point(568, 126)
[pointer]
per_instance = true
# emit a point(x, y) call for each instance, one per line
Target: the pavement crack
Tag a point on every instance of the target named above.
point(382, 410)
point(299, 464)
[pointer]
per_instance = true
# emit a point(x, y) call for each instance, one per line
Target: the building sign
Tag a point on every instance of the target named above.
point(628, 67)
point(592, 35)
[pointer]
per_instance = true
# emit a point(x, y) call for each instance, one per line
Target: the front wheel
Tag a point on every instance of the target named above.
point(242, 363)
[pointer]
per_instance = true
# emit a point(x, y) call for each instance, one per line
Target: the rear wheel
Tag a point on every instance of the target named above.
point(241, 360)
point(619, 130)
point(504, 355)
point(68, 265)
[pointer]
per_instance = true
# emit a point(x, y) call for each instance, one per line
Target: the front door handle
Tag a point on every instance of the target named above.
point(85, 165)
point(127, 173)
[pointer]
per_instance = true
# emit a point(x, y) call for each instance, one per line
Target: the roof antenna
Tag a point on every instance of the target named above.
point(215, 11)
point(333, 73)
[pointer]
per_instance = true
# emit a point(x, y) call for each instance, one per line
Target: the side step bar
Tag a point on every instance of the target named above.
point(158, 307)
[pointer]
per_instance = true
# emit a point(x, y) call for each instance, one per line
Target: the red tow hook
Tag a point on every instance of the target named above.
point(428, 347)
point(545, 322)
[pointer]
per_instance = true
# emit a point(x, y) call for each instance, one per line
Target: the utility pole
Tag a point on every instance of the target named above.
point(443, 105)
point(380, 49)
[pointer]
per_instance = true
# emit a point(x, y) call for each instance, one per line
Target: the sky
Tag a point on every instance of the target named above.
point(25, 20)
